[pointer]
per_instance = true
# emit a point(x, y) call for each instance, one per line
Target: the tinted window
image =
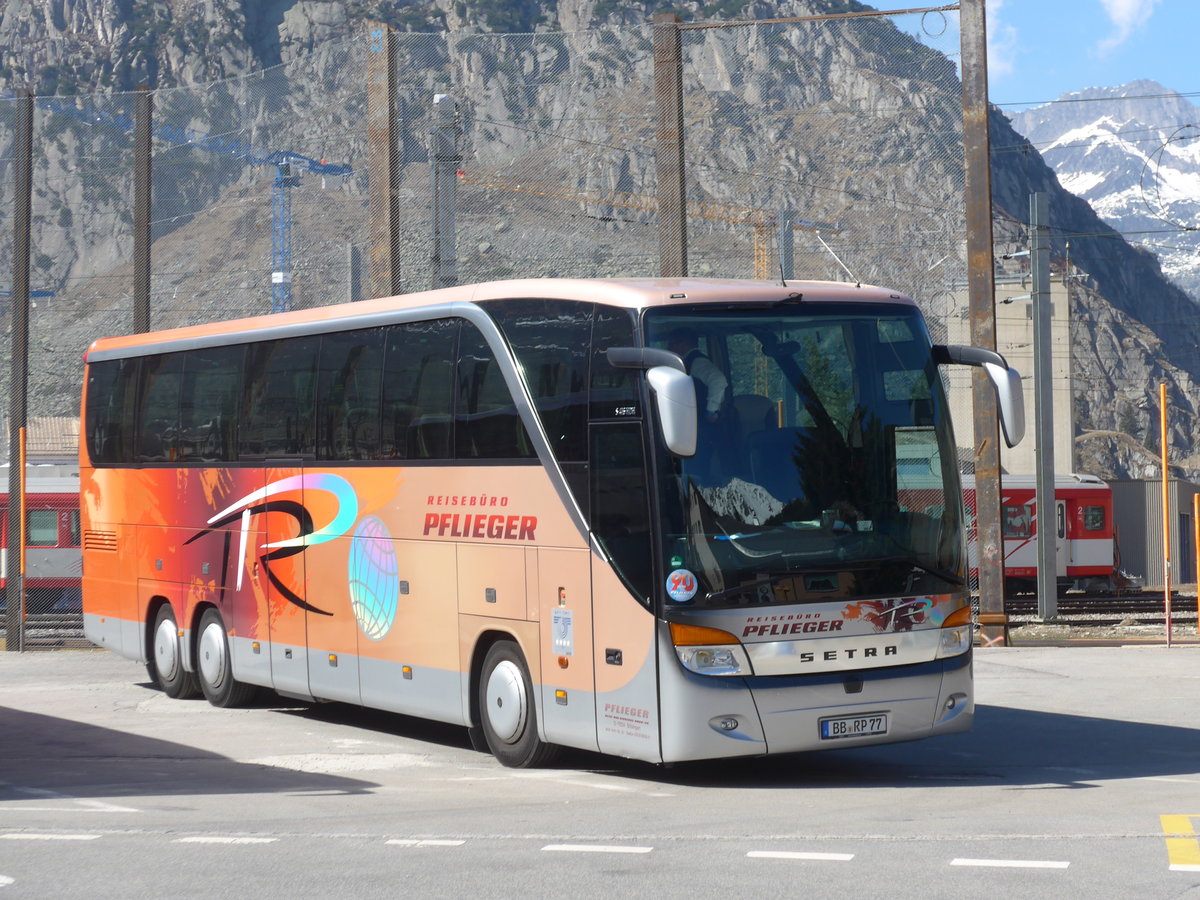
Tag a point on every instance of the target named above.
point(620, 514)
point(614, 391)
point(208, 404)
point(486, 424)
point(158, 409)
point(277, 412)
point(110, 410)
point(550, 339)
point(418, 390)
point(1093, 518)
point(349, 387)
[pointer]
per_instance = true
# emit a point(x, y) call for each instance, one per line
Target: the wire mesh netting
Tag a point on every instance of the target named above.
point(825, 149)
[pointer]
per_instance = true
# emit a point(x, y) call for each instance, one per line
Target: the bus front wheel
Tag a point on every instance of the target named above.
point(214, 665)
point(507, 712)
point(166, 663)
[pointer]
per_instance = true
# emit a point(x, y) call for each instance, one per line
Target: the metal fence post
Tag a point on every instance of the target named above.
point(981, 281)
point(382, 163)
point(669, 157)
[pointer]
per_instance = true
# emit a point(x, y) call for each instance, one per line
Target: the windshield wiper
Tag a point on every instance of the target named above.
point(937, 571)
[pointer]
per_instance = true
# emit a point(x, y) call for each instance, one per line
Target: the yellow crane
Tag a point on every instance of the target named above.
point(763, 221)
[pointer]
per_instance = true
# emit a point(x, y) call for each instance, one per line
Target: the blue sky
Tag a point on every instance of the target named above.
point(1041, 49)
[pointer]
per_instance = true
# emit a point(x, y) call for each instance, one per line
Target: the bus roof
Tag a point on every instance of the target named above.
point(634, 293)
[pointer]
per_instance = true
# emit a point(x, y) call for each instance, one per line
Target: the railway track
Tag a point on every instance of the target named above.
point(1125, 610)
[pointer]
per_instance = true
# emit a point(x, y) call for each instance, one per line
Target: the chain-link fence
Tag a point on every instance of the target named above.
point(819, 148)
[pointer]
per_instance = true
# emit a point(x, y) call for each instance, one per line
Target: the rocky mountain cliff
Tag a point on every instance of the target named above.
point(792, 106)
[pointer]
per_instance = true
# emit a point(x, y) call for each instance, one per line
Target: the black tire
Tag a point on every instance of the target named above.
point(507, 713)
point(214, 666)
point(165, 665)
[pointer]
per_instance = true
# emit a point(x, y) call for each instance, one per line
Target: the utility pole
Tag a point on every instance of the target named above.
point(1043, 400)
point(22, 154)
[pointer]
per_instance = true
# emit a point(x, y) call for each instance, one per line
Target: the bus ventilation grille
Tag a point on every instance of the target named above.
point(100, 540)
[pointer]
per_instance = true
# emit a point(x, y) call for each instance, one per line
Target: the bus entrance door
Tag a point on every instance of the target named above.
point(568, 676)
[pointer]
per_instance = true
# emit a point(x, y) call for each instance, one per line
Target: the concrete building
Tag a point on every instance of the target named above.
point(1014, 341)
point(1138, 518)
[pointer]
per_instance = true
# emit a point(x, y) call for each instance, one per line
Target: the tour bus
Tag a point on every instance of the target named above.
point(510, 506)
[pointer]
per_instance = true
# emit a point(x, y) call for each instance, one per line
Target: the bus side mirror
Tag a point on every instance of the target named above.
point(1006, 381)
point(675, 398)
point(674, 392)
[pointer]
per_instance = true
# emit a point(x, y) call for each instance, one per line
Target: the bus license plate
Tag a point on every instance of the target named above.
point(854, 726)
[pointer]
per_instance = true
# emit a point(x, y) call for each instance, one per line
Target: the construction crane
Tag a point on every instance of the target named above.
point(288, 169)
point(763, 221)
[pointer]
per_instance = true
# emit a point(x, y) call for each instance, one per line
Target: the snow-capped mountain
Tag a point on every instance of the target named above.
point(1133, 153)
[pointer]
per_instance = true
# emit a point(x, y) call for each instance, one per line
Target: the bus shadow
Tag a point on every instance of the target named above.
point(1019, 748)
point(381, 721)
point(57, 760)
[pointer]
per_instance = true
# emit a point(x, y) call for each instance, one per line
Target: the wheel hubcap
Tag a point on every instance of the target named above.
point(506, 701)
point(212, 655)
point(166, 649)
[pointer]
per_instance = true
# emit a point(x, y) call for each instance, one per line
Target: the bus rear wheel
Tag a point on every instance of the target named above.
point(507, 712)
point(166, 661)
point(214, 665)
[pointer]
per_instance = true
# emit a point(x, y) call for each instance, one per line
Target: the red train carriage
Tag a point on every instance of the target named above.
point(52, 558)
point(1083, 532)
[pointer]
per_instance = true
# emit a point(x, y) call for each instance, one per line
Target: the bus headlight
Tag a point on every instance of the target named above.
point(709, 651)
point(957, 633)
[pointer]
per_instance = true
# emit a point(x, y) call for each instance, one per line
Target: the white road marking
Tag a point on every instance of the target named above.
point(84, 805)
point(1012, 863)
point(5, 881)
point(49, 837)
point(411, 842)
point(594, 848)
point(1184, 867)
point(789, 854)
point(217, 839)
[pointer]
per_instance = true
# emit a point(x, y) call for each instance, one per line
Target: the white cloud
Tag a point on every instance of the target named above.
point(1126, 16)
point(1002, 42)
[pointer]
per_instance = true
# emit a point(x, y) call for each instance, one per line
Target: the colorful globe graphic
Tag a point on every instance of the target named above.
point(374, 585)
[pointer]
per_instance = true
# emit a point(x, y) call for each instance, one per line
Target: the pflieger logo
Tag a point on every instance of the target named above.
point(268, 499)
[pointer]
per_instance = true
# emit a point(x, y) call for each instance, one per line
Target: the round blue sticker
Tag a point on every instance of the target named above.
point(681, 585)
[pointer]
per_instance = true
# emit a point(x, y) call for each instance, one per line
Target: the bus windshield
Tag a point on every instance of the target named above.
point(825, 466)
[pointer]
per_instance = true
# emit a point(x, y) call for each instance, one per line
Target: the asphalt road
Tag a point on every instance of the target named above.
point(1081, 778)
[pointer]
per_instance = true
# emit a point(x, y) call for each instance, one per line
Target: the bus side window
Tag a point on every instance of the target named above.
point(158, 409)
point(112, 391)
point(348, 392)
point(277, 409)
point(418, 390)
point(486, 423)
point(208, 405)
point(550, 340)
